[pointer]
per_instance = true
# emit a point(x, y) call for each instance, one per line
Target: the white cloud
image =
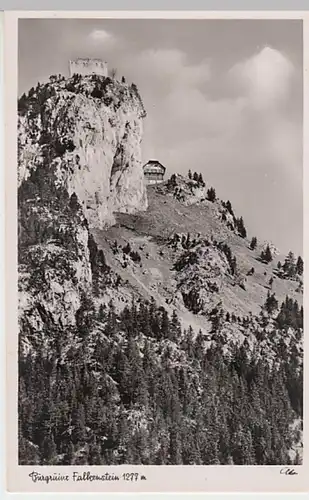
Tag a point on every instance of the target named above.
point(180, 111)
point(172, 91)
point(265, 81)
point(265, 77)
point(182, 116)
point(102, 37)
point(242, 144)
point(172, 66)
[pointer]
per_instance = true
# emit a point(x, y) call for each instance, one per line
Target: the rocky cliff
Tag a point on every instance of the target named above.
point(54, 267)
point(92, 129)
point(79, 160)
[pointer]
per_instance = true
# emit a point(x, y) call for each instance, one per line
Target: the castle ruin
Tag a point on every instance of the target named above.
point(88, 67)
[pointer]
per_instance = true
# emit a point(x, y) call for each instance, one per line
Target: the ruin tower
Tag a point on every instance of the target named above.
point(88, 67)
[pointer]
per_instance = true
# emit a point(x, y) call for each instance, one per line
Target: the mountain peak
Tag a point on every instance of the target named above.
point(146, 315)
point(90, 127)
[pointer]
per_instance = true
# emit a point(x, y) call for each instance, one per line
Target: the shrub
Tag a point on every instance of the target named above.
point(172, 182)
point(70, 87)
point(192, 301)
point(135, 256)
point(97, 93)
point(186, 259)
point(127, 249)
point(62, 147)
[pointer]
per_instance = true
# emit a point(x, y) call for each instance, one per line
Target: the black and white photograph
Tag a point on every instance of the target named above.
point(160, 242)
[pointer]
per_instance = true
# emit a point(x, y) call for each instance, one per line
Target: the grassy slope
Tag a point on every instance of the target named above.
point(146, 232)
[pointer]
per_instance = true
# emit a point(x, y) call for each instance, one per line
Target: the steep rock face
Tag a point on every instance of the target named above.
point(201, 273)
point(92, 130)
point(79, 161)
point(54, 259)
point(53, 292)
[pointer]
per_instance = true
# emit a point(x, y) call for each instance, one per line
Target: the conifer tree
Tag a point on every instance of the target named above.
point(266, 255)
point(165, 324)
point(241, 227)
point(229, 207)
point(111, 322)
point(187, 405)
point(69, 454)
point(211, 194)
point(201, 180)
point(127, 249)
point(102, 313)
point(299, 266)
point(289, 266)
point(188, 241)
point(74, 203)
point(49, 450)
point(253, 243)
point(297, 459)
point(233, 265)
point(172, 181)
point(85, 315)
point(94, 454)
point(78, 422)
point(271, 303)
point(174, 327)
point(175, 446)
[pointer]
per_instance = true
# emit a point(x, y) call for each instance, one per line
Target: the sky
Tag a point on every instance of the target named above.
point(223, 97)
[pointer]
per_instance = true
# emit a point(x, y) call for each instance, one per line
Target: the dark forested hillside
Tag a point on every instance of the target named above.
point(142, 391)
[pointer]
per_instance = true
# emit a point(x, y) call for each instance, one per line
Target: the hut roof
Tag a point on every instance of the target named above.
point(154, 166)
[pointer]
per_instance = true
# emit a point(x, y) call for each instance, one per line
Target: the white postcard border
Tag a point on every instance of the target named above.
point(159, 478)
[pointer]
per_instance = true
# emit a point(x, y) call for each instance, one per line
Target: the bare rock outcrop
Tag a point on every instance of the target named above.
point(79, 161)
point(91, 129)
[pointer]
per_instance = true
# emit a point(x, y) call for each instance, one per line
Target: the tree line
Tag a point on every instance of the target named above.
point(136, 388)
